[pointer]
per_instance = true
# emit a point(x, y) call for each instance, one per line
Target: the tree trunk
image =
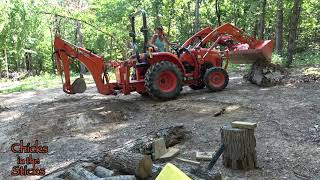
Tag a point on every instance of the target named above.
point(131, 163)
point(6, 62)
point(262, 19)
point(197, 16)
point(79, 39)
point(53, 65)
point(293, 30)
point(255, 29)
point(239, 148)
point(157, 5)
point(265, 74)
point(172, 12)
point(172, 136)
point(218, 14)
point(279, 27)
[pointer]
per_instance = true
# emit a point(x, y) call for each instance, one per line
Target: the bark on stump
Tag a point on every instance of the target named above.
point(172, 136)
point(265, 74)
point(239, 148)
point(131, 163)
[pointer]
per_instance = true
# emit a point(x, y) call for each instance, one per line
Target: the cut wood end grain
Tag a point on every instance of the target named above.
point(243, 125)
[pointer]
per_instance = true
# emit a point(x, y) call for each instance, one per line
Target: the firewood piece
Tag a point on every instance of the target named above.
point(84, 173)
point(204, 156)
point(243, 125)
point(239, 148)
point(103, 172)
point(53, 176)
point(170, 154)
point(189, 161)
point(72, 175)
point(158, 148)
point(131, 163)
point(121, 177)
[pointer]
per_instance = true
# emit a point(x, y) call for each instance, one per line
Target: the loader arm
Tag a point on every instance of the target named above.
point(228, 29)
point(66, 52)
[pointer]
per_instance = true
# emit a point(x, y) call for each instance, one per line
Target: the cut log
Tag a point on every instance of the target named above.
point(239, 148)
point(158, 148)
point(243, 125)
point(71, 175)
point(121, 177)
point(189, 161)
point(131, 163)
point(170, 154)
point(172, 136)
point(103, 172)
point(204, 156)
point(84, 173)
point(265, 74)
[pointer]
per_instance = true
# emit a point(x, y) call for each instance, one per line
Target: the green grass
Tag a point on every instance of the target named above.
point(42, 81)
point(31, 83)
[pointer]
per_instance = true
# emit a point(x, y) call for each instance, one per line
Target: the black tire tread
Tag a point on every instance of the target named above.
point(212, 70)
point(152, 74)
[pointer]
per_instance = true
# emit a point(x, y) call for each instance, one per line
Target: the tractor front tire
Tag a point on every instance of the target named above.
point(216, 79)
point(163, 81)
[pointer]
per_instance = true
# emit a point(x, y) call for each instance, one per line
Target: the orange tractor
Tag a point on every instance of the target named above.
point(200, 62)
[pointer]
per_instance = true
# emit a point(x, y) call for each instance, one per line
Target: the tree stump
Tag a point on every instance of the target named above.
point(239, 148)
point(131, 163)
point(265, 74)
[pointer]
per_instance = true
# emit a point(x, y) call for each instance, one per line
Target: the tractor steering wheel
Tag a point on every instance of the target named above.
point(181, 50)
point(175, 48)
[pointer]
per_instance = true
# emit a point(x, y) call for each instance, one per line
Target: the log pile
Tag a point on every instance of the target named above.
point(132, 159)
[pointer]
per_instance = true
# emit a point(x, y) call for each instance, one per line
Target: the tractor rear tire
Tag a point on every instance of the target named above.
point(216, 79)
point(163, 81)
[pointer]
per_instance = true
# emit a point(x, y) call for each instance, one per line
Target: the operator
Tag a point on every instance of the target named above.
point(159, 39)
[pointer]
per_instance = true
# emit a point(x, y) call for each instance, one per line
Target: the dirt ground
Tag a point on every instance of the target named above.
point(86, 125)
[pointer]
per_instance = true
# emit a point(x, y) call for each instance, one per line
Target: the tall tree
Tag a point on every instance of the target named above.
point(262, 19)
point(197, 16)
point(79, 40)
point(279, 27)
point(218, 13)
point(293, 30)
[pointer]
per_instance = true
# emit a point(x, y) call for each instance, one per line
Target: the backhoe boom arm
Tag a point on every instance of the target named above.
point(65, 51)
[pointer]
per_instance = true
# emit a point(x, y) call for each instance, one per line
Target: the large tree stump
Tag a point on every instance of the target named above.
point(131, 163)
point(265, 74)
point(239, 148)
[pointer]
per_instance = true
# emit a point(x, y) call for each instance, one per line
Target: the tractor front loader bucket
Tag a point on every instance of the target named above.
point(262, 52)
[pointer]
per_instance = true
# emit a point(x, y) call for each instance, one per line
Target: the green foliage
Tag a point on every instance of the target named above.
point(25, 31)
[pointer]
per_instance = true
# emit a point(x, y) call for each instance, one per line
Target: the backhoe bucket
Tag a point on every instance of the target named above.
point(79, 86)
point(261, 52)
